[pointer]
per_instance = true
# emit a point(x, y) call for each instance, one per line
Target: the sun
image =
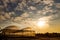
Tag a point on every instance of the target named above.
point(41, 24)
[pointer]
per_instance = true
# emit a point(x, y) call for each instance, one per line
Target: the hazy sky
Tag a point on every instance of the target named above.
point(26, 13)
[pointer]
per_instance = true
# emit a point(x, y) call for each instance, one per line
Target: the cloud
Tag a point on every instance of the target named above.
point(57, 5)
point(28, 12)
point(7, 16)
point(25, 14)
point(2, 18)
point(18, 19)
point(32, 8)
point(48, 1)
point(11, 13)
point(57, 1)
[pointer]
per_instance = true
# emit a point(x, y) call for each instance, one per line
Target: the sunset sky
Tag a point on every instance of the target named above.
point(42, 15)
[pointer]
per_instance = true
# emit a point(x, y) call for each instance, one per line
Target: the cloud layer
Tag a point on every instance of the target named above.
point(26, 12)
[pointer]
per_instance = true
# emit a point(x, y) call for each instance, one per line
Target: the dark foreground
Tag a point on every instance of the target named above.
point(28, 38)
point(47, 36)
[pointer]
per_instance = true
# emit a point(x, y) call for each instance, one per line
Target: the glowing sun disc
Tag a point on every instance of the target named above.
point(41, 23)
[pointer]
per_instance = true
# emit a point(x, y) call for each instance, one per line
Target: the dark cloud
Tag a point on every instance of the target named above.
point(57, 1)
point(18, 13)
point(11, 6)
point(1, 2)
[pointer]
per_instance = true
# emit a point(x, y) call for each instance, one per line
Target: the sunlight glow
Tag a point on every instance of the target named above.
point(41, 23)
